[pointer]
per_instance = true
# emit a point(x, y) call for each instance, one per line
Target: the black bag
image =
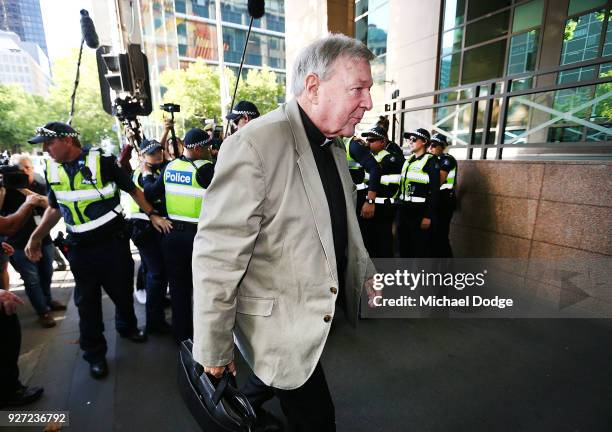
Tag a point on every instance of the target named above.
point(215, 404)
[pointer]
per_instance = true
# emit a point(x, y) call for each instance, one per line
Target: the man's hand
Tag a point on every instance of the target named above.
point(37, 200)
point(7, 249)
point(367, 210)
point(372, 293)
point(33, 249)
point(160, 223)
point(425, 223)
point(217, 371)
point(9, 301)
point(168, 123)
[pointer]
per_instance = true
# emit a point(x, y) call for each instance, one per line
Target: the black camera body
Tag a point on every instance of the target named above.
point(11, 177)
point(171, 107)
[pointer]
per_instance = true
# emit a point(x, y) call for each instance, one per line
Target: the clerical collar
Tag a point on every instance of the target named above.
point(314, 135)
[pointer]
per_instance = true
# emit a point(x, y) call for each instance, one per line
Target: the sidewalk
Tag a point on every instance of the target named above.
point(389, 375)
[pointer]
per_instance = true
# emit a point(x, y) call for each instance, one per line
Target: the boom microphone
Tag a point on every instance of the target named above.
point(256, 8)
point(88, 30)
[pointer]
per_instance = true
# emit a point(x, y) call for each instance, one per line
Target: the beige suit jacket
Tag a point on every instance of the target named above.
point(264, 266)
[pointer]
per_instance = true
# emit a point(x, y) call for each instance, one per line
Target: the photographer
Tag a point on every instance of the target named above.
point(12, 392)
point(167, 142)
point(36, 276)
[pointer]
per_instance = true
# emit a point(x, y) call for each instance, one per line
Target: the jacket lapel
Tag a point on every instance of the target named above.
point(312, 184)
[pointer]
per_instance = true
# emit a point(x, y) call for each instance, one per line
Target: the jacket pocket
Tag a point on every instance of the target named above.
point(254, 306)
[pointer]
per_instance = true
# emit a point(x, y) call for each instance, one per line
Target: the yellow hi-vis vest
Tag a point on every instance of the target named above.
point(450, 180)
point(78, 196)
point(412, 172)
point(183, 193)
point(134, 210)
point(352, 163)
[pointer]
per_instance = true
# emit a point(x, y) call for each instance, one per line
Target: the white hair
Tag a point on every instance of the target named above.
point(17, 158)
point(318, 58)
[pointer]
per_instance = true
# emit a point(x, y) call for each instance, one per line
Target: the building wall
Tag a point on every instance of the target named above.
point(310, 17)
point(17, 66)
point(512, 209)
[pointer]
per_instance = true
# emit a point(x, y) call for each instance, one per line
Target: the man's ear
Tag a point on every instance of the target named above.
point(311, 86)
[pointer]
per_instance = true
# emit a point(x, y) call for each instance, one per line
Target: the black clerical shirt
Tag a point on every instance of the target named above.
point(334, 193)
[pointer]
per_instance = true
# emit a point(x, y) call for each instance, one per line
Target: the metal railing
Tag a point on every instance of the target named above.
point(531, 113)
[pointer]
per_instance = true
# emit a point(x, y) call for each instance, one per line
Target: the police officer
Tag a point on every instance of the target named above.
point(361, 163)
point(83, 189)
point(242, 113)
point(378, 235)
point(448, 177)
point(148, 240)
point(183, 183)
point(418, 198)
point(391, 146)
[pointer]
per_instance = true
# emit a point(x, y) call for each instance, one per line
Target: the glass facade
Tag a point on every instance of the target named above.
point(177, 32)
point(196, 29)
point(495, 38)
point(495, 55)
point(371, 28)
point(24, 18)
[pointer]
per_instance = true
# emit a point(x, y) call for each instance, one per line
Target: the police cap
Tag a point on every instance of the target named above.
point(51, 131)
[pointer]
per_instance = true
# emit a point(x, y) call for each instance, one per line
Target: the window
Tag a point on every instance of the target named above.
point(259, 52)
point(485, 39)
point(196, 39)
point(483, 63)
point(522, 52)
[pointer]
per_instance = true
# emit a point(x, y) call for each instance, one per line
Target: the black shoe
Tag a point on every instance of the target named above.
point(98, 370)
point(267, 422)
point(23, 396)
point(135, 335)
point(162, 328)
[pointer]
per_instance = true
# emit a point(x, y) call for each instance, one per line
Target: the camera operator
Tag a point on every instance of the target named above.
point(12, 392)
point(36, 276)
point(84, 190)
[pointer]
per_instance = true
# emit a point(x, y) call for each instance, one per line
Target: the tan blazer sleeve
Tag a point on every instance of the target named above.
point(230, 221)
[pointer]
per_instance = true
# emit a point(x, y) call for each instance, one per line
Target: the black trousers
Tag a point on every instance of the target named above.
point(177, 248)
point(414, 242)
point(149, 244)
point(104, 264)
point(377, 232)
point(10, 337)
point(443, 247)
point(308, 408)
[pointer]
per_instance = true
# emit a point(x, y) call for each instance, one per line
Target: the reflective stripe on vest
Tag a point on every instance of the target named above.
point(390, 179)
point(96, 223)
point(183, 193)
point(77, 195)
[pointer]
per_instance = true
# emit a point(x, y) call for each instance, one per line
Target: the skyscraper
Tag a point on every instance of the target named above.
point(24, 18)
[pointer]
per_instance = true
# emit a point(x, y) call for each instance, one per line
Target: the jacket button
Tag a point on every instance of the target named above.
point(327, 318)
point(334, 290)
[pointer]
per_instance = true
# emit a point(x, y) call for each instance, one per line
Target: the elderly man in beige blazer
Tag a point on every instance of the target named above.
point(276, 248)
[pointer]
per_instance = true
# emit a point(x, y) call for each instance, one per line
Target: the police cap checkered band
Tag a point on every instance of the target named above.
point(376, 132)
point(202, 143)
point(148, 145)
point(419, 133)
point(43, 131)
point(251, 113)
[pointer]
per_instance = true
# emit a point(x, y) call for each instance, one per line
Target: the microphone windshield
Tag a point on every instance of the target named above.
point(256, 8)
point(88, 30)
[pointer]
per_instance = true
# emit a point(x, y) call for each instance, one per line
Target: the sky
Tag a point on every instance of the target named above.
point(61, 19)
